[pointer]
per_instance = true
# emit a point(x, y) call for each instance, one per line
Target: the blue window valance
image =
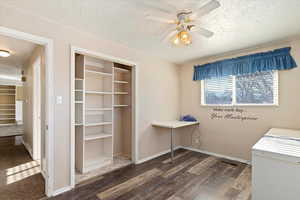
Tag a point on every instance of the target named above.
point(278, 59)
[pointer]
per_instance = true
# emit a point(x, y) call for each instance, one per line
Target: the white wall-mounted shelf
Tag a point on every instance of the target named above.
point(98, 124)
point(98, 73)
point(120, 82)
point(97, 92)
point(121, 93)
point(96, 136)
point(98, 109)
point(118, 106)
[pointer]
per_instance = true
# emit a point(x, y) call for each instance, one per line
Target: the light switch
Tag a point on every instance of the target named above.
point(59, 100)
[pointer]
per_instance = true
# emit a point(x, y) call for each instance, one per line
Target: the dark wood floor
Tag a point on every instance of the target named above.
point(19, 177)
point(192, 176)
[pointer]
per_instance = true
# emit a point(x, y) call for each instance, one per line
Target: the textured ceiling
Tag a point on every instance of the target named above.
point(237, 24)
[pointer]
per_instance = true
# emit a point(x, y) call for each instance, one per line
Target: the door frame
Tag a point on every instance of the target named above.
point(37, 109)
point(49, 135)
point(134, 100)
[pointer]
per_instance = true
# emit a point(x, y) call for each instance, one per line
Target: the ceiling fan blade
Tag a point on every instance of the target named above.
point(159, 6)
point(168, 35)
point(160, 19)
point(202, 31)
point(207, 8)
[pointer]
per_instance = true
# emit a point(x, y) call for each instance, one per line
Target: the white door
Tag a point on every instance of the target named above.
point(37, 109)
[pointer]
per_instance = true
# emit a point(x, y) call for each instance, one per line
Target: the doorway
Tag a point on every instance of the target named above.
point(42, 140)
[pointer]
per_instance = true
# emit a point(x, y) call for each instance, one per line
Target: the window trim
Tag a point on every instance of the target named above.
point(234, 104)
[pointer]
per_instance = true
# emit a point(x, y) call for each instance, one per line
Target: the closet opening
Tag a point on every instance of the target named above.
point(103, 114)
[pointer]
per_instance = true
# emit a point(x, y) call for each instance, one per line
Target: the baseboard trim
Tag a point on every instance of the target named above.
point(62, 190)
point(28, 148)
point(156, 155)
point(217, 155)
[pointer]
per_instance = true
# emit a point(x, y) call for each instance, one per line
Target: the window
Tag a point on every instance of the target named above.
point(254, 89)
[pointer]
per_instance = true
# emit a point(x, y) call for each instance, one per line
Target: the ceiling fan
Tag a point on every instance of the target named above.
point(186, 22)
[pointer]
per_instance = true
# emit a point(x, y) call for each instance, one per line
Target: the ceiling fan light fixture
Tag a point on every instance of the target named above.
point(185, 37)
point(4, 53)
point(176, 40)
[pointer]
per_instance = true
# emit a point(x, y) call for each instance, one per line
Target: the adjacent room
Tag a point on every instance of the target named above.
point(22, 163)
point(150, 99)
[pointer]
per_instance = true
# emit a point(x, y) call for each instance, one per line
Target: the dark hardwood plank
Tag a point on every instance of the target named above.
point(191, 176)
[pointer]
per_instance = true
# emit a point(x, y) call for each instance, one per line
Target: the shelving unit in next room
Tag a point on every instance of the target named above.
point(93, 113)
point(7, 105)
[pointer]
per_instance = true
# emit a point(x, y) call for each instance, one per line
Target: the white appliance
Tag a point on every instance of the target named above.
point(276, 166)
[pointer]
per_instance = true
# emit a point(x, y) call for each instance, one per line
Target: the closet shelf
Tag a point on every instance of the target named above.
point(3, 109)
point(93, 64)
point(121, 93)
point(96, 92)
point(78, 79)
point(6, 94)
point(121, 82)
point(119, 106)
point(7, 119)
point(98, 124)
point(78, 90)
point(121, 69)
point(8, 124)
point(95, 136)
point(78, 124)
point(7, 89)
point(91, 114)
point(7, 114)
point(7, 104)
point(98, 73)
point(98, 109)
point(78, 102)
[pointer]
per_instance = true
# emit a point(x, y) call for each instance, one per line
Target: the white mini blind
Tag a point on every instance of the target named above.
point(254, 89)
point(218, 90)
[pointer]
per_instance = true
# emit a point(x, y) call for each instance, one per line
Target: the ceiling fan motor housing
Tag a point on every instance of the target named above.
point(183, 16)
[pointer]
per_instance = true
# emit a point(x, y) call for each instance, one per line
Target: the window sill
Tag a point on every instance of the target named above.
point(239, 105)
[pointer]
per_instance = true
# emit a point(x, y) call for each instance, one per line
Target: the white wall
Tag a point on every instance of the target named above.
point(158, 83)
point(235, 137)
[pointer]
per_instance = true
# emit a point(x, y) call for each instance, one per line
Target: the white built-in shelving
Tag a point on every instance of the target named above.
point(93, 112)
point(102, 90)
point(7, 105)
